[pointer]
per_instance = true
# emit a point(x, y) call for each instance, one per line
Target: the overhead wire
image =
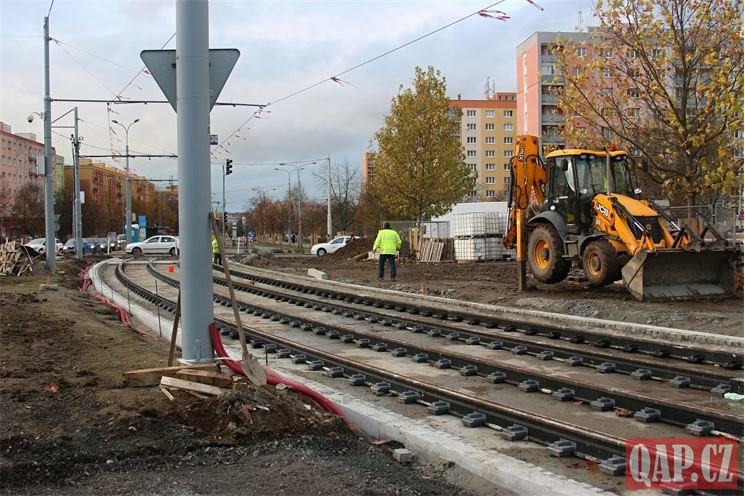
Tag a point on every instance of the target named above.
point(335, 78)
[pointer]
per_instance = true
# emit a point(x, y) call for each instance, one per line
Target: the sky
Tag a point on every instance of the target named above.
point(286, 46)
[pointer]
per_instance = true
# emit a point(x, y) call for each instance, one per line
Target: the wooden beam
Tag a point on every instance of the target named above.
point(151, 377)
point(192, 386)
point(205, 377)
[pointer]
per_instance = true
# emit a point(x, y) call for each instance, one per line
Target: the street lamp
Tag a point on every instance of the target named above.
point(127, 188)
point(299, 199)
point(328, 198)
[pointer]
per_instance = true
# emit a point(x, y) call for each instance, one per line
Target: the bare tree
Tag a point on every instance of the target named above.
point(345, 194)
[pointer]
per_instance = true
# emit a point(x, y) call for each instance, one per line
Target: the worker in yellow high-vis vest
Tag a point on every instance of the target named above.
point(388, 242)
point(216, 255)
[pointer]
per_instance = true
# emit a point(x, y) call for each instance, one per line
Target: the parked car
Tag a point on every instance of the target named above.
point(155, 245)
point(40, 245)
point(89, 245)
point(335, 244)
point(121, 240)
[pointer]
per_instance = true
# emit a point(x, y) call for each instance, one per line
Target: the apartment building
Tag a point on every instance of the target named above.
point(104, 184)
point(539, 82)
point(487, 133)
point(368, 168)
point(21, 162)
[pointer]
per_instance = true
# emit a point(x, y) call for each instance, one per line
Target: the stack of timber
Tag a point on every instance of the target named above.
point(431, 249)
point(15, 259)
point(197, 380)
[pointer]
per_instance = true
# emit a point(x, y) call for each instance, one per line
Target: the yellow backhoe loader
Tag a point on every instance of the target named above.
point(580, 206)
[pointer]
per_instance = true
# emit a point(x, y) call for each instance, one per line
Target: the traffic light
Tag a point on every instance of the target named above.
point(228, 166)
point(225, 218)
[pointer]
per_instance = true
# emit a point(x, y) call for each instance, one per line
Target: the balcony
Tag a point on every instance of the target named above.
point(549, 99)
point(549, 79)
point(548, 59)
point(552, 118)
point(552, 139)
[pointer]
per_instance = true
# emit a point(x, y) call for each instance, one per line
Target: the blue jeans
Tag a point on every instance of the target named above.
point(381, 265)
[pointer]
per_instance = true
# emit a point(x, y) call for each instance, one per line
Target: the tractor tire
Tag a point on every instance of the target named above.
point(545, 250)
point(601, 263)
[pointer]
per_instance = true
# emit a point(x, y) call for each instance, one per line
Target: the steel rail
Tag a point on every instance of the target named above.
point(588, 444)
point(671, 412)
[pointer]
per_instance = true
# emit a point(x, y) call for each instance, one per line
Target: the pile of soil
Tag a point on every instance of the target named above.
point(355, 247)
point(70, 426)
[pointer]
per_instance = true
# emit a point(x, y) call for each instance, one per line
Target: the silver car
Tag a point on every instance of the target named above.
point(155, 245)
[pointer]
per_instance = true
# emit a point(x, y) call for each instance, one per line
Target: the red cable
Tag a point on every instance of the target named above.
point(273, 377)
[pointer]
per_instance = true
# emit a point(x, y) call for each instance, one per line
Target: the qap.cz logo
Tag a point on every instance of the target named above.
point(703, 463)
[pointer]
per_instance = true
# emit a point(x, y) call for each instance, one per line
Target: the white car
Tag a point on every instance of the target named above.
point(155, 245)
point(40, 245)
point(335, 244)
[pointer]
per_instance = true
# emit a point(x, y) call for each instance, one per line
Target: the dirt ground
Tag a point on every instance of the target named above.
point(496, 283)
point(70, 427)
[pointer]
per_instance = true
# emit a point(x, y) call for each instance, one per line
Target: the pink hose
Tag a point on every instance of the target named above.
point(273, 377)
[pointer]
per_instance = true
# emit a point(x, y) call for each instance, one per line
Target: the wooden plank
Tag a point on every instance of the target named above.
point(205, 377)
point(192, 386)
point(151, 377)
point(167, 393)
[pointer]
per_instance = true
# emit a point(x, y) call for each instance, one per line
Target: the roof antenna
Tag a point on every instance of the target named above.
point(579, 27)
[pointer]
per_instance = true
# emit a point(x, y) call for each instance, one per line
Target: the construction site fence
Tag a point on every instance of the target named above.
point(727, 220)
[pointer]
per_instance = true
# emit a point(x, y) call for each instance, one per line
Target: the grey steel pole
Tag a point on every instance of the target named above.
point(193, 122)
point(223, 205)
point(299, 212)
point(49, 220)
point(77, 214)
point(328, 198)
point(127, 194)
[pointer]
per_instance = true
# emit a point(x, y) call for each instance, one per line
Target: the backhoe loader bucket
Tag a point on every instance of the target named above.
point(677, 274)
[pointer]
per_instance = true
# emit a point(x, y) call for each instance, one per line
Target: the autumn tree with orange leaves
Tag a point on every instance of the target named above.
point(664, 80)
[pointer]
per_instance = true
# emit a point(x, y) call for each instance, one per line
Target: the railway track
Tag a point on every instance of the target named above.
point(449, 362)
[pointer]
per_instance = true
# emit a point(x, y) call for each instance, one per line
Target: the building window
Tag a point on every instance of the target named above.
point(470, 113)
point(606, 53)
point(633, 92)
point(490, 180)
point(580, 52)
point(507, 167)
point(509, 153)
point(490, 193)
point(606, 92)
point(607, 73)
point(506, 180)
point(489, 140)
point(470, 126)
point(607, 133)
point(633, 112)
point(577, 72)
point(490, 153)
point(508, 127)
point(470, 153)
point(507, 113)
point(606, 112)
point(472, 167)
point(489, 113)
point(490, 167)
point(508, 140)
point(633, 54)
point(471, 140)
point(489, 126)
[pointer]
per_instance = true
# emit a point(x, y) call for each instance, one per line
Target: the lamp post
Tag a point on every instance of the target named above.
point(289, 202)
point(127, 187)
point(299, 199)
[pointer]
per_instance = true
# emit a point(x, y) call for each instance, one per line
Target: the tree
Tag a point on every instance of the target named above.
point(419, 167)
point(666, 83)
point(28, 208)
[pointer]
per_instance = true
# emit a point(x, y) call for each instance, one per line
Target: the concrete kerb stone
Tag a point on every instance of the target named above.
point(625, 329)
point(141, 314)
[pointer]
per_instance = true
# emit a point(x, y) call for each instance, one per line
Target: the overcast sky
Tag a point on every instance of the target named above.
point(285, 47)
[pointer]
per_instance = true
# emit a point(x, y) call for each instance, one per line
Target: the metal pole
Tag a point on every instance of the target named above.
point(328, 199)
point(223, 204)
point(299, 212)
point(49, 220)
point(193, 121)
point(127, 193)
point(77, 213)
point(289, 208)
